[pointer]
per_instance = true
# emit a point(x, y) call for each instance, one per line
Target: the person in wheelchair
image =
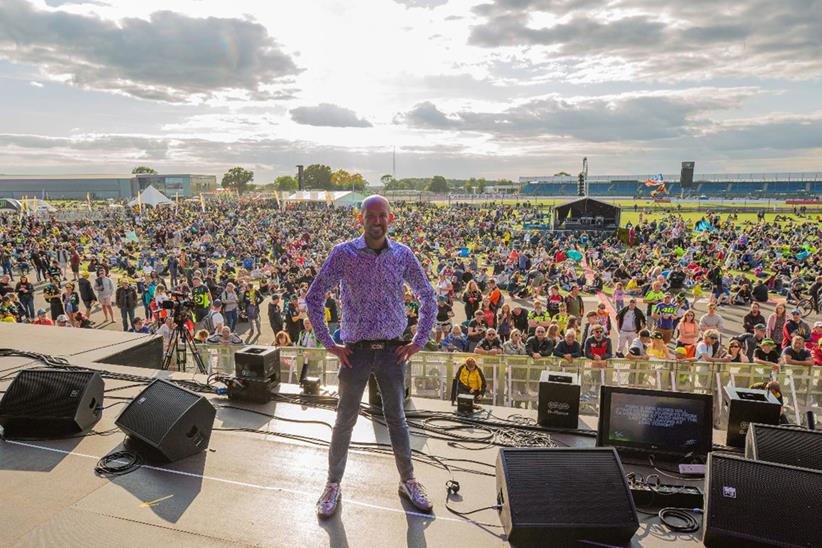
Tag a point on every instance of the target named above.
point(469, 379)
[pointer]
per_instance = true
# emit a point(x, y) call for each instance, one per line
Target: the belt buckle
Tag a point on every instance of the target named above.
point(376, 346)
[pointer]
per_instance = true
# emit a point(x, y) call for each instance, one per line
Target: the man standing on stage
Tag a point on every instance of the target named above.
point(372, 271)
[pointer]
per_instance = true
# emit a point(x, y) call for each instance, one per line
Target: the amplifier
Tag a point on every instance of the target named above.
point(657, 496)
point(258, 363)
point(559, 496)
point(745, 406)
point(754, 503)
point(785, 444)
point(558, 405)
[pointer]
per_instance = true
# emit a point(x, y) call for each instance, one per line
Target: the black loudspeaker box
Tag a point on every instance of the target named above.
point(374, 397)
point(558, 497)
point(686, 175)
point(171, 420)
point(785, 444)
point(745, 406)
point(257, 362)
point(558, 401)
point(754, 503)
point(49, 403)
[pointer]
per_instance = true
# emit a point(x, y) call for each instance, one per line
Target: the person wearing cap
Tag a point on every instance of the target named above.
point(41, 318)
point(62, 321)
point(6, 315)
point(766, 353)
point(371, 272)
point(275, 313)
point(796, 353)
point(749, 341)
point(86, 291)
point(752, 318)
point(658, 349)
point(795, 325)
point(707, 349)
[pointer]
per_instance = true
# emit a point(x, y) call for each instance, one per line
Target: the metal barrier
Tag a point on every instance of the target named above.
point(513, 381)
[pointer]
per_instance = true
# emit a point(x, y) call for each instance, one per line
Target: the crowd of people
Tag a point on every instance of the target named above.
point(521, 291)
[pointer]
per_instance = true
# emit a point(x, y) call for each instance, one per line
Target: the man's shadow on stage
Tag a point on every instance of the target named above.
point(415, 534)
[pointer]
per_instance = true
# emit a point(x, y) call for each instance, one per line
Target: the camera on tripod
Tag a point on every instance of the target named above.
point(181, 305)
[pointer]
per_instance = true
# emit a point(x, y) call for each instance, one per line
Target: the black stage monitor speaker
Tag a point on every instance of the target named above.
point(686, 176)
point(374, 397)
point(744, 406)
point(754, 503)
point(171, 420)
point(258, 363)
point(48, 403)
point(785, 445)
point(557, 497)
point(558, 400)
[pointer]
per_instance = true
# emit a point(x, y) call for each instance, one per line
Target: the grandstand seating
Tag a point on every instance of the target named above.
point(721, 186)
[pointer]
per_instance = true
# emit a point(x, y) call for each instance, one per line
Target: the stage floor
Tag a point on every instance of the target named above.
point(247, 489)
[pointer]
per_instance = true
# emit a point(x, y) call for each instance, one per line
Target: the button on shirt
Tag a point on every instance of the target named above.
point(372, 293)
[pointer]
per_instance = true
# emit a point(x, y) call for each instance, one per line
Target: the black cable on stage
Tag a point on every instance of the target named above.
point(686, 515)
point(108, 465)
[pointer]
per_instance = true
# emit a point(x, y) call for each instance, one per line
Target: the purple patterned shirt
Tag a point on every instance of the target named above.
point(372, 291)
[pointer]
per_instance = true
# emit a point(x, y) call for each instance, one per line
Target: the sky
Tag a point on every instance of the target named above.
point(460, 88)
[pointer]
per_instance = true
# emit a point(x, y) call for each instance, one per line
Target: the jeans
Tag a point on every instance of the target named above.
point(390, 376)
point(28, 306)
point(128, 318)
point(231, 318)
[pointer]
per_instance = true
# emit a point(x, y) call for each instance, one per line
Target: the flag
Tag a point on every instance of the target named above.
point(88, 200)
point(140, 201)
point(202, 202)
point(656, 180)
point(176, 200)
point(329, 200)
point(277, 198)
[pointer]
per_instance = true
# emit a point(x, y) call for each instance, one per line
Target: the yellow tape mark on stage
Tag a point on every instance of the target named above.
point(155, 502)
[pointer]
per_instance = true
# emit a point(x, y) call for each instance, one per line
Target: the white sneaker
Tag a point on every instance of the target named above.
point(415, 492)
point(329, 500)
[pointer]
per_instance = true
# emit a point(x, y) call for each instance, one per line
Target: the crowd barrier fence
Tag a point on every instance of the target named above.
point(513, 381)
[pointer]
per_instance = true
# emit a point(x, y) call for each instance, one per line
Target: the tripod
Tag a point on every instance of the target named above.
point(180, 341)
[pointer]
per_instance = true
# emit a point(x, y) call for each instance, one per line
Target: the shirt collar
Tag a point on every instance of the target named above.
point(360, 243)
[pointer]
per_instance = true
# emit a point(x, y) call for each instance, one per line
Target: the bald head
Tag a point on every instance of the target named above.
point(375, 218)
point(375, 200)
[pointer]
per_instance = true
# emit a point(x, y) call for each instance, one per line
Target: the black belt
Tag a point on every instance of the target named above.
point(376, 344)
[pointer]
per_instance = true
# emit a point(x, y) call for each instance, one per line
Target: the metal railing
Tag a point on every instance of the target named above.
point(513, 381)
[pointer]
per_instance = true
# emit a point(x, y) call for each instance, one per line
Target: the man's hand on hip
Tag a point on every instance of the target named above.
point(342, 352)
point(405, 351)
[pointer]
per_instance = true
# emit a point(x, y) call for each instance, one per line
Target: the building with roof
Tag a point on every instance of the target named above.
point(103, 187)
point(337, 198)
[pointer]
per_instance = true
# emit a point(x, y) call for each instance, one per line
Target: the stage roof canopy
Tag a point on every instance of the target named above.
point(586, 207)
